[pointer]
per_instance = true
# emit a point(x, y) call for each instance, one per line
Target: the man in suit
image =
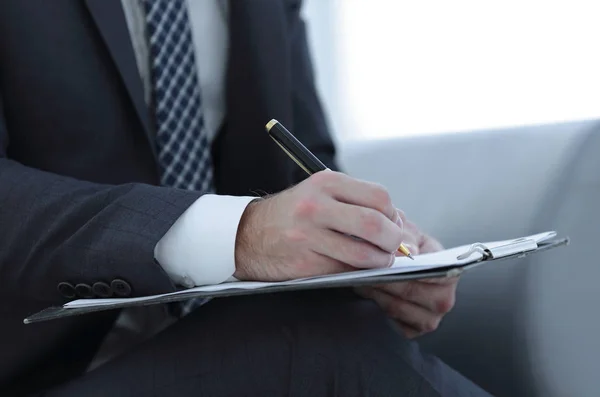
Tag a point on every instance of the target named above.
point(132, 148)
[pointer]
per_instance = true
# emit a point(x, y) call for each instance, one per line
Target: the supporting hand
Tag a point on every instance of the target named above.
point(417, 306)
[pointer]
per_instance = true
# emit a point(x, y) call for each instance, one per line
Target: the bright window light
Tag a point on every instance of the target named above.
point(409, 67)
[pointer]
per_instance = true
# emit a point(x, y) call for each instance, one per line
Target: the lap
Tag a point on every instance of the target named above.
point(316, 343)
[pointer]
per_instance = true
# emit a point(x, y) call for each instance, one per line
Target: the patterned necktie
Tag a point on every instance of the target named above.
point(182, 146)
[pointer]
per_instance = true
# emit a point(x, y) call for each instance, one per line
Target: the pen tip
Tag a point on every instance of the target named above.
point(411, 257)
point(270, 124)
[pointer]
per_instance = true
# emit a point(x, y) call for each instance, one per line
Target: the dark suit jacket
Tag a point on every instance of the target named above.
point(78, 176)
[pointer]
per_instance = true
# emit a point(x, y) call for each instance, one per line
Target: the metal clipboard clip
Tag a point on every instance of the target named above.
point(519, 246)
point(476, 247)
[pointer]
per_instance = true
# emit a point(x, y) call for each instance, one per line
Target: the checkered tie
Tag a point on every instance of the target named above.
point(182, 146)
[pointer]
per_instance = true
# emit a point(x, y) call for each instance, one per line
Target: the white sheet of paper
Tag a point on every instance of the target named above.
point(434, 260)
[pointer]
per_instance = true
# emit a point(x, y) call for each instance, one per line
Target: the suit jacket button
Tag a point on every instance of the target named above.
point(120, 288)
point(66, 290)
point(102, 290)
point(84, 291)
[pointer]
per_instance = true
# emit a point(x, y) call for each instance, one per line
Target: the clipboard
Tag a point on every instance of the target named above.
point(448, 263)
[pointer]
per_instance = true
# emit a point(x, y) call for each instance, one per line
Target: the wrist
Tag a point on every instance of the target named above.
point(244, 249)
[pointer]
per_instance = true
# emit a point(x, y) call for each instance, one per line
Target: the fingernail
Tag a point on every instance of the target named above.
point(392, 259)
point(399, 221)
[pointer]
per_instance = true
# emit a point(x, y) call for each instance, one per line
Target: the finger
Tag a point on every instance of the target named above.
point(439, 280)
point(407, 312)
point(411, 242)
point(398, 219)
point(328, 265)
point(410, 238)
point(408, 331)
point(365, 223)
point(353, 252)
point(357, 192)
point(428, 244)
point(435, 298)
point(312, 265)
point(414, 232)
point(401, 215)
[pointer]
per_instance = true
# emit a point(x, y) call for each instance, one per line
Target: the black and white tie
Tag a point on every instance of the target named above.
point(182, 145)
point(181, 140)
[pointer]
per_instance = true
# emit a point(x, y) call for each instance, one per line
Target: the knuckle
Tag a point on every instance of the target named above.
point(445, 305)
point(323, 179)
point(363, 254)
point(381, 198)
point(430, 325)
point(306, 207)
point(371, 223)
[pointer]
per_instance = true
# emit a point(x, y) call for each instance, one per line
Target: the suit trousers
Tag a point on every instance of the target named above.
point(310, 343)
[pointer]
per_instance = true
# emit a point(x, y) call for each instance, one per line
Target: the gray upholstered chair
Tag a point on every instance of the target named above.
point(528, 327)
point(542, 325)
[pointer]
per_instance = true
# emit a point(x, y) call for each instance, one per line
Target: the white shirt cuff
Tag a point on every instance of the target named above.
point(199, 248)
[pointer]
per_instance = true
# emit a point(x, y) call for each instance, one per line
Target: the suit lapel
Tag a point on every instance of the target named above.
point(110, 21)
point(258, 88)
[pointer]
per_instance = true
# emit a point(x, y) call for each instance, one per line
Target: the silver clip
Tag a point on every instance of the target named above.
point(477, 247)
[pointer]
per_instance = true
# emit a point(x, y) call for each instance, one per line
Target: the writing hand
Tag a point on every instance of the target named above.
point(305, 230)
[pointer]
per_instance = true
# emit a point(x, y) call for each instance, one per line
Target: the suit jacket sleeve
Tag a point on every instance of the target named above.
point(309, 118)
point(57, 229)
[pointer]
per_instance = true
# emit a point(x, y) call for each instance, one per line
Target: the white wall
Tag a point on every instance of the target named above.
point(402, 67)
point(321, 20)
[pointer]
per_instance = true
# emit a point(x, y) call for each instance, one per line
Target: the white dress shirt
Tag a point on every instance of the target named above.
point(200, 246)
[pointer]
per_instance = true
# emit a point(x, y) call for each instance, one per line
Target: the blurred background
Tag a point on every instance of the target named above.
point(442, 67)
point(483, 120)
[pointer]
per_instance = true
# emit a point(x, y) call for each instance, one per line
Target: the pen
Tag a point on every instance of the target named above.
point(302, 156)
